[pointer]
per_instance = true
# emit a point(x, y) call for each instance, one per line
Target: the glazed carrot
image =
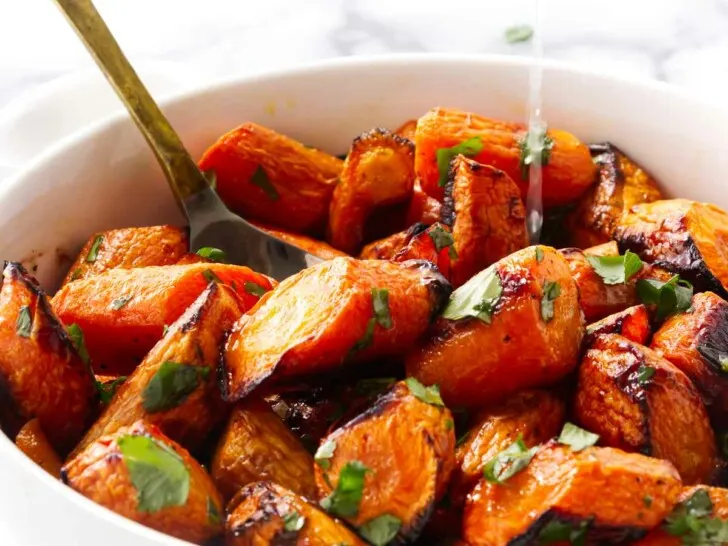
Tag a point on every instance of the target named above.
point(266, 176)
point(127, 248)
point(401, 453)
point(41, 373)
point(123, 312)
point(534, 416)
point(568, 173)
point(32, 441)
point(191, 258)
point(257, 446)
point(385, 249)
point(483, 208)
point(287, 515)
point(697, 344)
point(632, 323)
point(378, 171)
point(340, 311)
point(175, 386)
point(621, 184)
point(524, 309)
point(653, 407)
point(142, 475)
point(313, 246)
point(422, 207)
point(591, 495)
point(407, 129)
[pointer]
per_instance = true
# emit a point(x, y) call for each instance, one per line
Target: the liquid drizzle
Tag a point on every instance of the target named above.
point(534, 138)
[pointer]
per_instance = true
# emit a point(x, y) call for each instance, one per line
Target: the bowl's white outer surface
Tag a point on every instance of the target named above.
point(105, 177)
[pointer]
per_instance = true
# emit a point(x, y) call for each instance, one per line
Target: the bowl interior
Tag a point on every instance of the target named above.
point(106, 177)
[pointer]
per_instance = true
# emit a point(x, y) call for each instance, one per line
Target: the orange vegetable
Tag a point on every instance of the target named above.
point(313, 246)
point(246, 527)
point(257, 446)
point(191, 258)
point(527, 344)
point(175, 386)
point(483, 207)
point(40, 371)
point(266, 176)
point(32, 441)
point(652, 406)
point(378, 171)
point(407, 129)
point(123, 312)
point(127, 248)
point(341, 311)
point(385, 249)
point(404, 447)
point(422, 207)
point(632, 323)
point(598, 493)
point(171, 492)
point(568, 173)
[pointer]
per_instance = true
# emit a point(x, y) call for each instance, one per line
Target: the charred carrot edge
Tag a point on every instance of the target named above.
point(632, 323)
point(407, 129)
point(32, 441)
point(422, 207)
point(385, 249)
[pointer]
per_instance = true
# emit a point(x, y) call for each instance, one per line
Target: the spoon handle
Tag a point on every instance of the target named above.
point(182, 173)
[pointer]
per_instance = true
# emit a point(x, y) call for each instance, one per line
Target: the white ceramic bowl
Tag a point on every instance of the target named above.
point(105, 177)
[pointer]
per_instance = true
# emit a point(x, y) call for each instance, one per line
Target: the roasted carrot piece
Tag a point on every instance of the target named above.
point(524, 309)
point(534, 416)
point(338, 312)
point(422, 207)
point(690, 521)
point(632, 323)
point(407, 129)
point(191, 258)
point(257, 446)
point(684, 237)
point(313, 246)
point(385, 249)
point(32, 441)
point(266, 176)
point(142, 475)
point(483, 208)
point(378, 171)
point(123, 312)
point(127, 248)
point(621, 184)
point(41, 374)
point(401, 453)
point(652, 406)
point(697, 343)
point(267, 513)
point(596, 495)
point(175, 386)
point(567, 174)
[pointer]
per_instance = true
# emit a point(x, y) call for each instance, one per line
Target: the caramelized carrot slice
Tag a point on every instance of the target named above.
point(652, 406)
point(401, 452)
point(270, 177)
point(568, 173)
point(127, 248)
point(312, 246)
point(123, 312)
point(385, 249)
point(175, 386)
point(32, 441)
point(524, 309)
point(257, 446)
point(267, 513)
point(632, 323)
point(696, 342)
point(142, 475)
point(422, 207)
point(407, 129)
point(596, 495)
point(341, 311)
point(41, 374)
point(534, 416)
point(483, 208)
point(378, 171)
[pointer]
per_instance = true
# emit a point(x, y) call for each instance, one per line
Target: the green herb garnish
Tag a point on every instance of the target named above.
point(120, 302)
point(380, 302)
point(647, 501)
point(381, 530)
point(530, 156)
point(616, 269)
point(477, 298)
point(644, 374)
point(171, 385)
point(691, 521)
point(93, 252)
point(214, 254)
point(213, 514)
point(469, 148)
point(260, 179)
point(442, 238)
point(24, 322)
point(209, 276)
point(551, 291)
point(539, 254)
point(429, 395)
point(108, 390)
point(324, 453)
point(558, 531)
point(76, 335)
point(254, 289)
point(519, 33)
point(345, 499)
point(671, 297)
point(577, 438)
point(509, 462)
point(293, 522)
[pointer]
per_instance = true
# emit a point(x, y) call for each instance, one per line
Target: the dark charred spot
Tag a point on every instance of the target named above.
point(415, 229)
point(515, 281)
point(447, 211)
point(380, 133)
point(628, 382)
point(438, 286)
point(198, 308)
point(712, 341)
point(612, 326)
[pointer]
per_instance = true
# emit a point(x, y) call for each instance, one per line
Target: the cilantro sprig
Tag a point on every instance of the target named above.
point(469, 148)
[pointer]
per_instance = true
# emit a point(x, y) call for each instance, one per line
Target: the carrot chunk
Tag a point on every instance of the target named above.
point(32, 441)
point(632, 323)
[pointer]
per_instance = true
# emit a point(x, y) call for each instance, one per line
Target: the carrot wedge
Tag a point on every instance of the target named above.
point(175, 386)
point(340, 311)
point(123, 312)
point(287, 517)
point(568, 172)
point(41, 374)
point(400, 451)
point(313, 246)
point(127, 248)
point(32, 441)
point(407, 129)
point(266, 176)
point(632, 323)
point(596, 495)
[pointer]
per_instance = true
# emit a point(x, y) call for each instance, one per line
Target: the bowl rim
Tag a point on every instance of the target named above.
point(433, 60)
